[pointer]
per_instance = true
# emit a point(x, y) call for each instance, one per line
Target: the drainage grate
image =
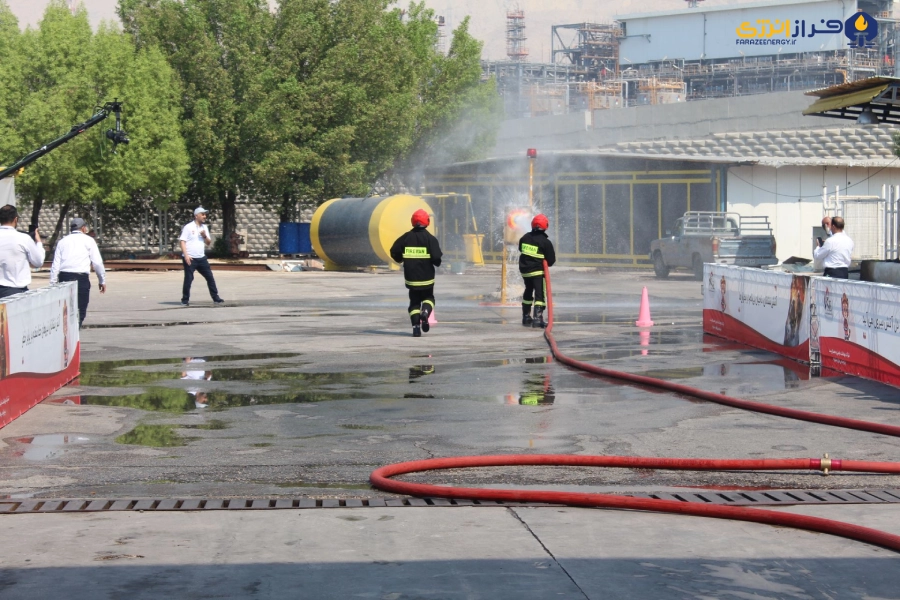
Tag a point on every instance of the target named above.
point(767, 498)
point(780, 497)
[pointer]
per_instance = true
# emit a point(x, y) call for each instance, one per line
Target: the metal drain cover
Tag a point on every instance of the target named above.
point(735, 498)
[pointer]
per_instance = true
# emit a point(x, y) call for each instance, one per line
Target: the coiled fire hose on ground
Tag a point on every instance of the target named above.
point(381, 478)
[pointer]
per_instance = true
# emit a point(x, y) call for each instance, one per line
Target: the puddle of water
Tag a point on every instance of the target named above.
point(129, 372)
point(181, 401)
point(155, 436)
point(46, 447)
point(141, 325)
point(211, 425)
point(781, 374)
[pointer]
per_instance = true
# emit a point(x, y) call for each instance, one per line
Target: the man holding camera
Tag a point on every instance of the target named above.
point(833, 254)
point(194, 239)
point(18, 253)
point(75, 255)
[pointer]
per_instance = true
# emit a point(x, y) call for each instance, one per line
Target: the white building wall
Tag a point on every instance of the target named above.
point(792, 198)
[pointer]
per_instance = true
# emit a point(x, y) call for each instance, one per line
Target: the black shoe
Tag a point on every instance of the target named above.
point(527, 320)
point(426, 312)
point(538, 321)
point(417, 331)
point(219, 302)
point(184, 303)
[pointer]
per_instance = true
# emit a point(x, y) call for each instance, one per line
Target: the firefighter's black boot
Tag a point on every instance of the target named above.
point(426, 312)
point(526, 315)
point(416, 320)
point(417, 331)
point(539, 318)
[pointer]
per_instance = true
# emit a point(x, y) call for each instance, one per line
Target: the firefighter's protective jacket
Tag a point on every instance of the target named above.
point(534, 248)
point(420, 253)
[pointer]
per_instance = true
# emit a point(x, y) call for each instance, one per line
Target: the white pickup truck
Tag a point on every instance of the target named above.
point(714, 237)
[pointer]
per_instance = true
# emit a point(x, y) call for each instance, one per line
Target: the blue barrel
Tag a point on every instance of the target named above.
point(288, 238)
point(304, 242)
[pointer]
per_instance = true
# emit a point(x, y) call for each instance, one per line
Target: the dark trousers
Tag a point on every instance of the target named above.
point(837, 272)
point(534, 292)
point(6, 292)
point(417, 297)
point(84, 291)
point(201, 265)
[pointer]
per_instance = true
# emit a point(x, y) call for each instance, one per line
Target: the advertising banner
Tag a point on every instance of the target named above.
point(855, 326)
point(763, 309)
point(39, 347)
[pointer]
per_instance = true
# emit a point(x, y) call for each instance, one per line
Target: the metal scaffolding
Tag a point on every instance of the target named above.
point(593, 47)
point(515, 36)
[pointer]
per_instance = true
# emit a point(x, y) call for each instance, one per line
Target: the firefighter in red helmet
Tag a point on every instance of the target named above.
point(534, 248)
point(420, 253)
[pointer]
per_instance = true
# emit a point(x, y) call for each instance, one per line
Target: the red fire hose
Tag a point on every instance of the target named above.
point(381, 478)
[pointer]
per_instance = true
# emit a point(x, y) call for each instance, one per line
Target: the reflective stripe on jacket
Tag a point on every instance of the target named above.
point(534, 248)
point(420, 253)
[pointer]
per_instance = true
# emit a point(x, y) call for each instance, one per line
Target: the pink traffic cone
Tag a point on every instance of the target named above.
point(644, 316)
point(432, 320)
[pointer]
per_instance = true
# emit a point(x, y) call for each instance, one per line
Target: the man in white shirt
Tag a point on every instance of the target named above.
point(75, 255)
point(194, 239)
point(833, 254)
point(18, 253)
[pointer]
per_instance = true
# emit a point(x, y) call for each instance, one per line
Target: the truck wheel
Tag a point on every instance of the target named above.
point(659, 267)
point(698, 267)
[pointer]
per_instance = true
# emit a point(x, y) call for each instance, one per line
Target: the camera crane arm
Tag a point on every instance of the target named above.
point(117, 136)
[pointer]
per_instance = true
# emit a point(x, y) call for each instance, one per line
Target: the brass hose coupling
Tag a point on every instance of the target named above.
point(825, 464)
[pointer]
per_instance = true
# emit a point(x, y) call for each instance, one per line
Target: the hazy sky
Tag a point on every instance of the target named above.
point(488, 16)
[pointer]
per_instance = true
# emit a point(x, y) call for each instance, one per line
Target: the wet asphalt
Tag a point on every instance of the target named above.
point(305, 382)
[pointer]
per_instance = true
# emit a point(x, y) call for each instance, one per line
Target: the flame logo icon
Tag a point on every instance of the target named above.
point(861, 30)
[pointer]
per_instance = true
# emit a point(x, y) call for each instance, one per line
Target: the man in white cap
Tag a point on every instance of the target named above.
point(18, 253)
point(75, 254)
point(194, 240)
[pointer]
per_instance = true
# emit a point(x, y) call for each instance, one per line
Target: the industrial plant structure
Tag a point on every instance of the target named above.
point(694, 54)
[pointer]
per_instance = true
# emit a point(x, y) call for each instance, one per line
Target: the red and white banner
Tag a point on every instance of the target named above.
point(39, 347)
point(764, 309)
point(855, 327)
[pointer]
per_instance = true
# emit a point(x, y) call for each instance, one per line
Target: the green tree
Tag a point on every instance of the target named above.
point(10, 83)
point(322, 99)
point(459, 113)
point(67, 73)
point(364, 95)
point(219, 48)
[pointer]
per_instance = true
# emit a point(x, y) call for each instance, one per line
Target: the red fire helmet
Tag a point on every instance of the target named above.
point(420, 218)
point(540, 222)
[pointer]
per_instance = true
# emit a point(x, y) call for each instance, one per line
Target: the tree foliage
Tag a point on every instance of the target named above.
point(219, 48)
point(320, 99)
point(61, 73)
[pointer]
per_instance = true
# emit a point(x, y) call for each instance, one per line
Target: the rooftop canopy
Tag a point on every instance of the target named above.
point(867, 101)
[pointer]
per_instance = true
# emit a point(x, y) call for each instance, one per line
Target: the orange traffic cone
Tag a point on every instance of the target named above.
point(432, 320)
point(644, 316)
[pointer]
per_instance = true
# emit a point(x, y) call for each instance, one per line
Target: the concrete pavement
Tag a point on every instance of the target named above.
point(311, 380)
point(447, 553)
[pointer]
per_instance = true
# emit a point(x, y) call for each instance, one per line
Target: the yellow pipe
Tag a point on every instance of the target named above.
point(503, 277)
